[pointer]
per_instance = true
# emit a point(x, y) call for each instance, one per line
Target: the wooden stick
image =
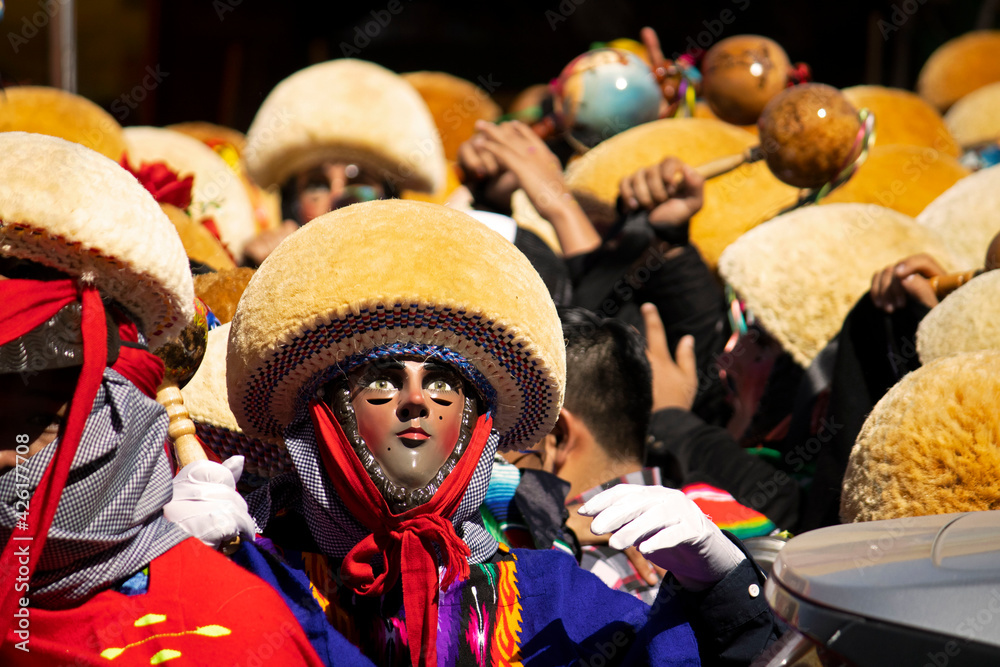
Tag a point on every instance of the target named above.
point(725, 164)
point(181, 429)
point(186, 445)
point(730, 162)
point(945, 285)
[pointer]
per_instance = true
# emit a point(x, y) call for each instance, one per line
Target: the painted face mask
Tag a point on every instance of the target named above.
point(378, 301)
point(409, 422)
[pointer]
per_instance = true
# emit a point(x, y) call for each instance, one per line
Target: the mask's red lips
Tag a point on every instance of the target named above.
point(414, 433)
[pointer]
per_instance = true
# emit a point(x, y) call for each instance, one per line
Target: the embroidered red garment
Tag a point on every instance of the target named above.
point(404, 542)
point(25, 305)
point(236, 619)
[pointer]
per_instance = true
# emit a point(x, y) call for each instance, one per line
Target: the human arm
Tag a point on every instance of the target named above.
point(512, 148)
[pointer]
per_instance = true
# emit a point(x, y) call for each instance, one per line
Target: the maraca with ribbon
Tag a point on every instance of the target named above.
point(810, 136)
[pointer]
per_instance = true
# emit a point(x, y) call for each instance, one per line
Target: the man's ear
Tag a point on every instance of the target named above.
point(566, 438)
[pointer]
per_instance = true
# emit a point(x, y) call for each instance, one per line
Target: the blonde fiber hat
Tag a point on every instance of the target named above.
point(396, 273)
point(905, 178)
point(902, 117)
point(528, 217)
point(61, 114)
point(967, 320)
point(207, 402)
point(212, 135)
point(702, 110)
point(75, 210)
point(931, 445)
point(216, 193)
point(455, 104)
point(199, 243)
point(974, 118)
point(959, 66)
point(346, 111)
point(966, 216)
point(734, 202)
point(221, 291)
point(229, 144)
point(802, 272)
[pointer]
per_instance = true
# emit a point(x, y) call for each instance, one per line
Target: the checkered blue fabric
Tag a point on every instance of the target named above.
point(110, 522)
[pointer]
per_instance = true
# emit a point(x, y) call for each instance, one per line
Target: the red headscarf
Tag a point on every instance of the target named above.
point(405, 542)
point(26, 304)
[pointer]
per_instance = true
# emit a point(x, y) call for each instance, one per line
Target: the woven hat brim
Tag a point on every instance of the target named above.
point(395, 272)
point(207, 402)
point(73, 209)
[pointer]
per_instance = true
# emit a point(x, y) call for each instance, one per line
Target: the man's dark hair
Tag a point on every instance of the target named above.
point(609, 384)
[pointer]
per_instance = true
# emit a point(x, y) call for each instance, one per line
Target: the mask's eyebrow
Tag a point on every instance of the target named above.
point(388, 364)
point(437, 367)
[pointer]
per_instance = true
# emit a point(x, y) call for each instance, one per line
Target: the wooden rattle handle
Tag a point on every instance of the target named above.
point(730, 162)
point(181, 429)
point(945, 285)
point(186, 445)
point(725, 164)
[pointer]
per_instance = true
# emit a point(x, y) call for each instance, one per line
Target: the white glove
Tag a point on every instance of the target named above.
point(206, 504)
point(668, 529)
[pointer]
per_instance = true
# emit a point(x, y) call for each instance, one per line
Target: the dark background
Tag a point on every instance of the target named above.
point(217, 59)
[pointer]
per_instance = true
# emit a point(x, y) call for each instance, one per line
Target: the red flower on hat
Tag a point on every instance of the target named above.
point(165, 184)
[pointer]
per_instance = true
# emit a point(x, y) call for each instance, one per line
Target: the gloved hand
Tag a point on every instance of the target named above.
point(206, 504)
point(668, 529)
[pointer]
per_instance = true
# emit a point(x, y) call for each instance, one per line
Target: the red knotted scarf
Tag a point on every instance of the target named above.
point(405, 542)
point(25, 305)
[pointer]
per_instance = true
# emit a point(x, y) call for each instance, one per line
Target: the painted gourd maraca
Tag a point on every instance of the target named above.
point(808, 134)
point(741, 74)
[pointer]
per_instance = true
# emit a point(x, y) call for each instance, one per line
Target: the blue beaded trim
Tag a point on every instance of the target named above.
point(535, 389)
